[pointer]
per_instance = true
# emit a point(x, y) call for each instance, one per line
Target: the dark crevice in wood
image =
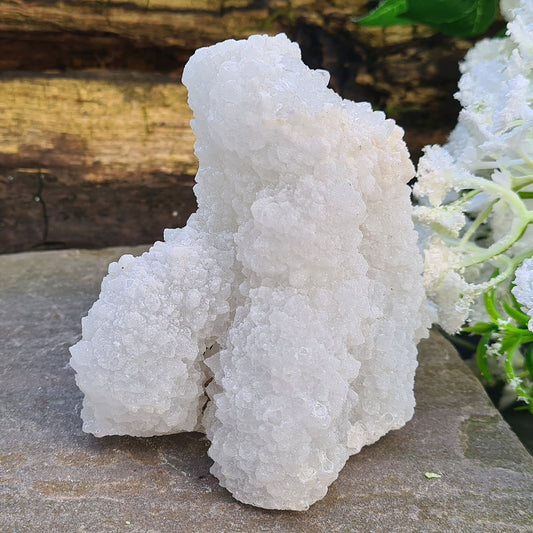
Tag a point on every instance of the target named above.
point(68, 51)
point(103, 7)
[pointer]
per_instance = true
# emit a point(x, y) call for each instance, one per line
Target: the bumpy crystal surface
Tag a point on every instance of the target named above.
point(294, 291)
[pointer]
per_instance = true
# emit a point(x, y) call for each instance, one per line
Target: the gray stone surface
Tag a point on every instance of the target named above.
point(55, 478)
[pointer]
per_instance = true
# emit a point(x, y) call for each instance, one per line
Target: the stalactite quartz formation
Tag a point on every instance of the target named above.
point(300, 268)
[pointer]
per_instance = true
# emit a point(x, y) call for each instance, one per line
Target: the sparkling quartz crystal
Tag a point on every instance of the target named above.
point(295, 290)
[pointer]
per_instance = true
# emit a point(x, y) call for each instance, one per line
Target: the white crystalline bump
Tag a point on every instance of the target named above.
point(137, 362)
point(320, 357)
point(300, 269)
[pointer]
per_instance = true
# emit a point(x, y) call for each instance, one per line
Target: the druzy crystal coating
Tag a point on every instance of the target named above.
point(283, 319)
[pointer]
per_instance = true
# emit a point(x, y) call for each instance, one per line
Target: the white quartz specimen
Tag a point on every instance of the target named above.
point(138, 362)
point(299, 271)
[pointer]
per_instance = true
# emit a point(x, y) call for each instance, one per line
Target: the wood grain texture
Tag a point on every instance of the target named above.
point(411, 72)
point(164, 23)
point(93, 159)
point(95, 133)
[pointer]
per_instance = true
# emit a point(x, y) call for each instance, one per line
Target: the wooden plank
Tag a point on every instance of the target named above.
point(93, 159)
point(96, 126)
point(160, 23)
point(85, 143)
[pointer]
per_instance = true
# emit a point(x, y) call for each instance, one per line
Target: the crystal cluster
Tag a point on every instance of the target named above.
point(294, 292)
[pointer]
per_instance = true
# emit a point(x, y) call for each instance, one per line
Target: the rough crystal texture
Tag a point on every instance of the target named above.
point(137, 362)
point(299, 270)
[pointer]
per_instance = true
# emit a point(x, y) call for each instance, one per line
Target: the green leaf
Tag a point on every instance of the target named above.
point(511, 341)
point(439, 11)
point(524, 408)
point(526, 338)
point(480, 328)
point(520, 317)
point(525, 195)
point(388, 13)
point(432, 475)
point(459, 18)
point(489, 299)
point(501, 33)
point(481, 356)
point(528, 359)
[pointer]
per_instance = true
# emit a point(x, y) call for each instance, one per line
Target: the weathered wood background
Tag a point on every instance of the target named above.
point(95, 146)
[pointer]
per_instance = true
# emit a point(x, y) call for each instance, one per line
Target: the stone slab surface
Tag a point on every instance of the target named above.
point(55, 478)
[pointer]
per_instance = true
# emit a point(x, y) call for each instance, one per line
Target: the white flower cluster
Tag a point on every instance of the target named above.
point(474, 191)
point(523, 289)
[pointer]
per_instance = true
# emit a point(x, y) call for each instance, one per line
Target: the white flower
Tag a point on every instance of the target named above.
point(495, 92)
point(463, 147)
point(490, 153)
point(454, 297)
point(515, 383)
point(439, 174)
point(507, 8)
point(501, 221)
point(520, 29)
point(445, 286)
point(495, 95)
point(494, 349)
point(450, 219)
point(501, 178)
point(523, 289)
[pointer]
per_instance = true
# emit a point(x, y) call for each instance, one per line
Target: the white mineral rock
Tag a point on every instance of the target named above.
point(300, 268)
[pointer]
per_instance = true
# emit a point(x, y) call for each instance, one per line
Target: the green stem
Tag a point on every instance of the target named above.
point(509, 371)
point(467, 196)
point(519, 259)
point(523, 335)
point(522, 218)
point(523, 181)
point(479, 220)
point(526, 158)
point(509, 268)
point(496, 163)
